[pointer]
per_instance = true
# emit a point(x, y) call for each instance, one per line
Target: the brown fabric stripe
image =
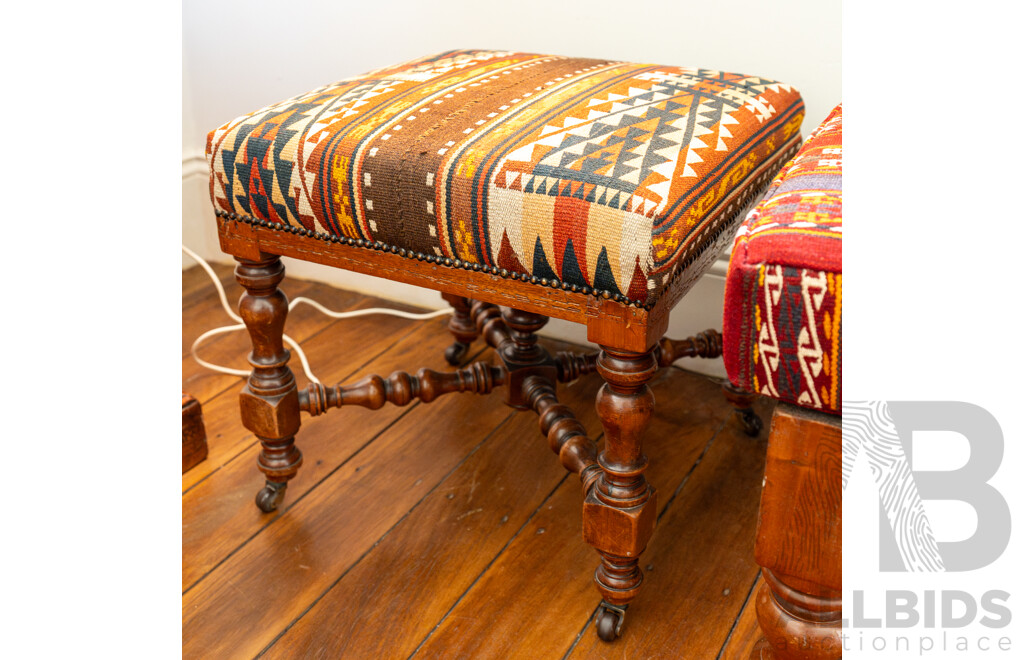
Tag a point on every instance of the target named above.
point(415, 150)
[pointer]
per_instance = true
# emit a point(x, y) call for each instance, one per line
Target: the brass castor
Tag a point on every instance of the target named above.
point(271, 495)
point(609, 621)
point(456, 353)
point(752, 424)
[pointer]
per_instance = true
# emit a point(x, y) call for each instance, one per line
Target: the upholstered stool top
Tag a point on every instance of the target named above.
point(782, 335)
point(606, 176)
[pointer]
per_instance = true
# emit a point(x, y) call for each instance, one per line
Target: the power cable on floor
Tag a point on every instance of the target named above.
point(288, 340)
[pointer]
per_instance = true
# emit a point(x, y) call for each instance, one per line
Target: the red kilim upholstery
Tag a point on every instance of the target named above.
point(782, 335)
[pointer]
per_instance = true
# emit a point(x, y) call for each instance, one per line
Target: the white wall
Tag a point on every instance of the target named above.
point(239, 56)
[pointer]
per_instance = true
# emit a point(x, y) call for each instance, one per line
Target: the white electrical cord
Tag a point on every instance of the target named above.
point(288, 340)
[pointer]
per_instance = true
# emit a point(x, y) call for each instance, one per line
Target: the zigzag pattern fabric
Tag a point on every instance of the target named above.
point(592, 172)
point(782, 335)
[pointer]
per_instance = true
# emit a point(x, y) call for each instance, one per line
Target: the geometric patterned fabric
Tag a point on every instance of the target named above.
point(596, 173)
point(782, 332)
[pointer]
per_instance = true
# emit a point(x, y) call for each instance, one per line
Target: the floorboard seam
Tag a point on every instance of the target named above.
point(713, 426)
point(348, 376)
point(736, 621)
point(230, 459)
point(302, 497)
point(686, 478)
point(443, 479)
point(586, 624)
point(583, 630)
point(491, 563)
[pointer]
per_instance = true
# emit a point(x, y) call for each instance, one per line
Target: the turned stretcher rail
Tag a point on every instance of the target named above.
point(707, 344)
point(566, 436)
point(400, 388)
point(488, 321)
point(574, 365)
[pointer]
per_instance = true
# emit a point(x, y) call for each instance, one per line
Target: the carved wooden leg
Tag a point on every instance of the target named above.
point(799, 538)
point(796, 625)
point(462, 327)
point(523, 357)
point(620, 511)
point(743, 402)
point(269, 400)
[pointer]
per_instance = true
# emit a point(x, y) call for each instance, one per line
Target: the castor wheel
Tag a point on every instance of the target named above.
point(742, 402)
point(609, 621)
point(271, 495)
point(752, 424)
point(455, 353)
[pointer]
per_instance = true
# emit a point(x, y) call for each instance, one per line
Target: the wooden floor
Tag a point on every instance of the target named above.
point(448, 530)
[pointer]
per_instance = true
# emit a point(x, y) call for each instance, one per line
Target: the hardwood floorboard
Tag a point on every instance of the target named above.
point(274, 577)
point(548, 568)
point(702, 553)
point(391, 600)
point(369, 558)
point(217, 516)
point(195, 281)
point(745, 633)
point(219, 392)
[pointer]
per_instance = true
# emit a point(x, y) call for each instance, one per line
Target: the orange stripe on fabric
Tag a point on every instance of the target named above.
point(757, 331)
point(804, 232)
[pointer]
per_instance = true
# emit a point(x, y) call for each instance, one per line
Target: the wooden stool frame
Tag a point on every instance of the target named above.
point(619, 508)
point(800, 538)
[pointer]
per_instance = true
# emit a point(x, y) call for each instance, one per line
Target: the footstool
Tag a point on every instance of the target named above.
point(588, 190)
point(783, 339)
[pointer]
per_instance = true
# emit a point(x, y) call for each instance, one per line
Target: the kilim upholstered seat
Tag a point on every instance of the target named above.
point(589, 190)
point(783, 339)
point(787, 264)
point(603, 175)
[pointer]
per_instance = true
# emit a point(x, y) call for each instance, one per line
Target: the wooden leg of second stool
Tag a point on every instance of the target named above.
point(270, 398)
point(620, 511)
point(799, 538)
point(462, 327)
point(743, 403)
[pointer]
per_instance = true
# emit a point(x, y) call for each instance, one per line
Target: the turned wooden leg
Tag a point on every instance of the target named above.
point(269, 400)
point(796, 625)
point(799, 538)
point(743, 403)
point(462, 327)
point(708, 344)
point(620, 511)
point(522, 356)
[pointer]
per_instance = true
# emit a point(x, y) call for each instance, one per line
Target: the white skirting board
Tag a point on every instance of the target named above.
point(699, 310)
